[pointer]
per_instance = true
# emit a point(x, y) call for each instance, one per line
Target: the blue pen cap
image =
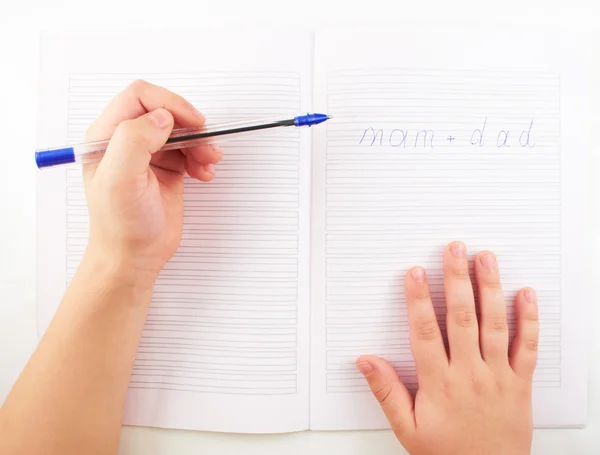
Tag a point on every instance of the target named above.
point(47, 158)
point(310, 119)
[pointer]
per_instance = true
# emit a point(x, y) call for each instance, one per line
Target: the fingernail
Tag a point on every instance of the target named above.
point(458, 250)
point(199, 114)
point(162, 117)
point(209, 168)
point(488, 260)
point(365, 368)
point(530, 295)
point(418, 274)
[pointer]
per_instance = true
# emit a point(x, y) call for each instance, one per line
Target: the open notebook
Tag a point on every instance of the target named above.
point(292, 260)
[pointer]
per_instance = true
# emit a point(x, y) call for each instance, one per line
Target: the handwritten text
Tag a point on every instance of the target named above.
point(427, 138)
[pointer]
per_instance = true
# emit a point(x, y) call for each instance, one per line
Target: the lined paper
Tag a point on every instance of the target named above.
point(437, 134)
point(382, 214)
point(228, 311)
point(417, 155)
point(231, 330)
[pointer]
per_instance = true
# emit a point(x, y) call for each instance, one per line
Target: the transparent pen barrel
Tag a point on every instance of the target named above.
point(179, 138)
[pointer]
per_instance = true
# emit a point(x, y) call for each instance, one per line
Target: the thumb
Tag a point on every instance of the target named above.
point(395, 400)
point(134, 141)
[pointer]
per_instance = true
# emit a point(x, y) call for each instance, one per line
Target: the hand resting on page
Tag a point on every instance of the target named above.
point(474, 399)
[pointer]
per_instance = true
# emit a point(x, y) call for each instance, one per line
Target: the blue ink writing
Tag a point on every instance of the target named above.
point(425, 136)
point(477, 136)
point(402, 137)
point(502, 139)
point(527, 135)
point(375, 134)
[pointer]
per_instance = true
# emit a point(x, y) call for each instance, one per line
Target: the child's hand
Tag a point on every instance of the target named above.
point(135, 195)
point(475, 399)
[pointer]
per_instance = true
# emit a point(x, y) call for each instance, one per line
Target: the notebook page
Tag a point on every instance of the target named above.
point(439, 135)
point(225, 346)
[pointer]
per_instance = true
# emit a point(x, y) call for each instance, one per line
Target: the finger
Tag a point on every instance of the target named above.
point(461, 317)
point(137, 99)
point(169, 160)
point(134, 142)
point(493, 328)
point(395, 400)
point(426, 342)
point(199, 171)
point(205, 153)
point(524, 350)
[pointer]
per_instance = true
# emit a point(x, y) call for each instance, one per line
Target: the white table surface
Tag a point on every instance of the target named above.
point(20, 24)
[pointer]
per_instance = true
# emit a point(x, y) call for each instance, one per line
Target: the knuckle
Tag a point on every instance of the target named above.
point(499, 384)
point(497, 323)
point(465, 316)
point(426, 328)
point(531, 316)
point(447, 386)
point(531, 345)
point(479, 384)
point(138, 86)
point(460, 270)
point(492, 284)
point(523, 393)
point(127, 133)
point(383, 393)
point(418, 292)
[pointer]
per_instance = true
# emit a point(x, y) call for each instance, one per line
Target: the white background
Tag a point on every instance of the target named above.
point(20, 24)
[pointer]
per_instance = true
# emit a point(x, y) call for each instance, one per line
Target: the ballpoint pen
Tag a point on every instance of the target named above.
point(180, 138)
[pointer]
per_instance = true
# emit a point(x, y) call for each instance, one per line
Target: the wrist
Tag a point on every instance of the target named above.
point(120, 269)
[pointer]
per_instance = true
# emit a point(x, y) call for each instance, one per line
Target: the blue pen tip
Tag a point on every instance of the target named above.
point(310, 119)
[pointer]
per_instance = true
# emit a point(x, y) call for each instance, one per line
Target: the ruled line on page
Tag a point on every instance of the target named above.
point(418, 158)
point(223, 318)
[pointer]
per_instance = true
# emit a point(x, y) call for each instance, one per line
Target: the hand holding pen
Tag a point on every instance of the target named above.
point(180, 138)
